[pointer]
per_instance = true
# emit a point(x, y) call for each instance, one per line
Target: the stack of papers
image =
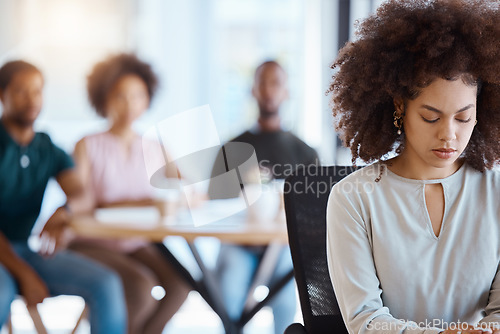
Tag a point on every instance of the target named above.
point(128, 215)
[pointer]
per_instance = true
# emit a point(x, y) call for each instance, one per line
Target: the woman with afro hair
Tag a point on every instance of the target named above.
point(413, 239)
point(111, 165)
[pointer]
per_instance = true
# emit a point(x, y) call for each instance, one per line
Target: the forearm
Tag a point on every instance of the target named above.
point(29, 283)
point(490, 321)
point(9, 259)
point(79, 198)
point(119, 204)
point(492, 310)
point(81, 204)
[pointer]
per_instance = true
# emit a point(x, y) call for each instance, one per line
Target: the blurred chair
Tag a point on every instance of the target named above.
point(38, 323)
point(306, 196)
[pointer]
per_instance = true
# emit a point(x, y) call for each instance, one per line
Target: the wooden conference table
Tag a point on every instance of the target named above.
point(236, 229)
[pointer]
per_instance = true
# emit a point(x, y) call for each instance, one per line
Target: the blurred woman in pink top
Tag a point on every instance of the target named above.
point(112, 167)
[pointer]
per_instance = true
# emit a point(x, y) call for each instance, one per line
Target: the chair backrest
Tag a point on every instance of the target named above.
point(306, 196)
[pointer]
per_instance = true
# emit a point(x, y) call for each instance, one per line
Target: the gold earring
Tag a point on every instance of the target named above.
point(475, 123)
point(398, 122)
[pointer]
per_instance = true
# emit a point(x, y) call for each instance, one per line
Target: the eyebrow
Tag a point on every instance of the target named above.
point(425, 106)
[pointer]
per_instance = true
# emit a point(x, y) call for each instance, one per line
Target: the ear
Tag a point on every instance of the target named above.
point(399, 105)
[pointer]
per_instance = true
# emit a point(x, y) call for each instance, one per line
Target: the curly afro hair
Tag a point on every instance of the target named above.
point(106, 74)
point(401, 49)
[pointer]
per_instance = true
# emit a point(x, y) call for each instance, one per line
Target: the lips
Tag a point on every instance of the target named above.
point(444, 153)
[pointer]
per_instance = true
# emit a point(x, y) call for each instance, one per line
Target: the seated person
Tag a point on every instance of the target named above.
point(112, 167)
point(414, 247)
point(27, 161)
point(279, 152)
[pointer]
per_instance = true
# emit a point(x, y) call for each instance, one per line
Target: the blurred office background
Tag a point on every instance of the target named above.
point(205, 52)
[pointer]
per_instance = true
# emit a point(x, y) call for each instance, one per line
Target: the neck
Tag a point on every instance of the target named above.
point(21, 133)
point(124, 133)
point(270, 123)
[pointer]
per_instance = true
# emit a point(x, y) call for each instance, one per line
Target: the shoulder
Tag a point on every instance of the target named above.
point(358, 186)
point(93, 142)
point(365, 175)
point(80, 147)
point(490, 177)
point(350, 198)
point(45, 143)
point(243, 137)
point(491, 174)
point(494, 174)
point(100, 136)
point(90, 146)
point(43, 138)
point(55, 156)
point(292, 138)
point(92, 139)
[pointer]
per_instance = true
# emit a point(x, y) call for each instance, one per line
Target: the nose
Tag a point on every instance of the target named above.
point(133, 101)
point(447, 131)
point(266, 92)
point(34, 99)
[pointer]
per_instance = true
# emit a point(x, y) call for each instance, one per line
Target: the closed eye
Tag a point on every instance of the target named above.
point(437, 119)
point(430, 120)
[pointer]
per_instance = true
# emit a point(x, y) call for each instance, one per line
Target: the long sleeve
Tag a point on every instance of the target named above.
point(492, 310)
point(354, 275)
point(390, 271)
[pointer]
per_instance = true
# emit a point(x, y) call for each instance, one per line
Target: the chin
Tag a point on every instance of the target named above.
point(269, 111)
point(443, 164)
point(25, 122)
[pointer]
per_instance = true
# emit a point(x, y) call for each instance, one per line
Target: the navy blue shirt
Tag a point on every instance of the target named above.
point(24, 174)
point(280, 151)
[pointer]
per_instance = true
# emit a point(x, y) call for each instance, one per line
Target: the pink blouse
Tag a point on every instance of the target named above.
point(117, 175)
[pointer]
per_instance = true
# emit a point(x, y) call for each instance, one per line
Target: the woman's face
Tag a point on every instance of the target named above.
point(127, 101)
point(438, 125)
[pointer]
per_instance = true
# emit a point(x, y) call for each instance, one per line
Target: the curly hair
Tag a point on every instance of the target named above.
point(402, 49)
point(106, 74)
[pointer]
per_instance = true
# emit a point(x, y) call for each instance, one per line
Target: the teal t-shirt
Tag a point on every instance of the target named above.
point(24, 174)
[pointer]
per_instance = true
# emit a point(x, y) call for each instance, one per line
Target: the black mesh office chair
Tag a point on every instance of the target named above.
point(306, 196)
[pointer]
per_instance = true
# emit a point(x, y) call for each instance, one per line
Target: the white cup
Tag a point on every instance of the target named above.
point(266, 207)
point(167, 202)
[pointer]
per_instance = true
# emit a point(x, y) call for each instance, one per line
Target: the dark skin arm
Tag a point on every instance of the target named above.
point(55, 234)
point(31, 286)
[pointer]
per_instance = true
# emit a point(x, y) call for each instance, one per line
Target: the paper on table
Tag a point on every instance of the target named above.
point(128, 215)
point(214, 213)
